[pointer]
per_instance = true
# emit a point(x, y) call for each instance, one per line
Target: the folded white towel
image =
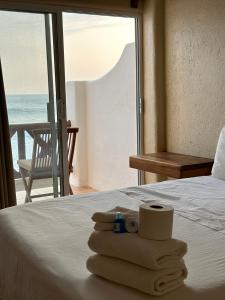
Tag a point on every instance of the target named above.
point(152, 282)
point(151, 254)
point(109, 216)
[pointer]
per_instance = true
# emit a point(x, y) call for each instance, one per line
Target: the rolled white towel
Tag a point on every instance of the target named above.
point(109, 216)
point(155, 283)
point(151, 254)
point(104, 226)
point(131, 225)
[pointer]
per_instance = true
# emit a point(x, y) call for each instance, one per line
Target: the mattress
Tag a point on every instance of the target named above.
point(43, 245)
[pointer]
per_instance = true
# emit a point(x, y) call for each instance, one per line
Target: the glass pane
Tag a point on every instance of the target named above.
point(100, 67)
point(29, 95)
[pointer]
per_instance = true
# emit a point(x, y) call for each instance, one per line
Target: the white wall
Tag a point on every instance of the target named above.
point(105, 112)
point(76, 113)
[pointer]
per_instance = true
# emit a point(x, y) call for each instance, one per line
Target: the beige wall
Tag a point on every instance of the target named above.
point(154, 80)
point(193, 77)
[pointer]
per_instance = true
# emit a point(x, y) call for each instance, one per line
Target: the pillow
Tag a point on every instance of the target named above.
point(218, 169)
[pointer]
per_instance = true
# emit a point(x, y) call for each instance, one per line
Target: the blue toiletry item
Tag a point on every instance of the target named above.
point(119, 223)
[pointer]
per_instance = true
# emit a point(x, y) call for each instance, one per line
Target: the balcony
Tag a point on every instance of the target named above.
point(22, 137)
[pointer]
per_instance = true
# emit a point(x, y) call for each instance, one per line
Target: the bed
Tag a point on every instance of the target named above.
point(43, 245)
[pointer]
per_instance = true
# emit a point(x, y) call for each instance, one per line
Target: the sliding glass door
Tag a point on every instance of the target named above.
point(32, 53)
point(101, 67)
point(29, 50)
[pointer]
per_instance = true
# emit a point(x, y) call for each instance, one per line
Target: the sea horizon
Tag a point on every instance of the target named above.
point(25, 108)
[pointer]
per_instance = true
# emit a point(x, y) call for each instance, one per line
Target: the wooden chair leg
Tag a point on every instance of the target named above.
point(27, 185)
point(71, 191)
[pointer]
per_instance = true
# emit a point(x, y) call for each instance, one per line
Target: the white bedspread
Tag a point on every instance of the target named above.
point(43, 246)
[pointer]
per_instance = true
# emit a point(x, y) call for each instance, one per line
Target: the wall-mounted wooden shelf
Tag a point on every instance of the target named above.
point(172, 164)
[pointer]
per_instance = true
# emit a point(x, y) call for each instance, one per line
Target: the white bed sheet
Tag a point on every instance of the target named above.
point(43, 246)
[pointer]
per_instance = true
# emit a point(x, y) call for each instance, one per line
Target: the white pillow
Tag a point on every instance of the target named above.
point(218, 169)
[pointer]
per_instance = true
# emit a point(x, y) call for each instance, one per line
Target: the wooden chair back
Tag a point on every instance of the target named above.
point(42, 149)
point(72, 134)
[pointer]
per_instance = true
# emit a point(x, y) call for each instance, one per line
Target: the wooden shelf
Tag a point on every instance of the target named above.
point(172, 164)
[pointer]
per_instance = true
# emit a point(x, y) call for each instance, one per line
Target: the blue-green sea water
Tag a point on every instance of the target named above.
point(25, 109)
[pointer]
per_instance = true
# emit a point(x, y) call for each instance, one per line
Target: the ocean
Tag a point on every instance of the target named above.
point(25, 109)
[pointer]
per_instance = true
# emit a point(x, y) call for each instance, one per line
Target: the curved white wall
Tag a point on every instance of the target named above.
point(107, 126)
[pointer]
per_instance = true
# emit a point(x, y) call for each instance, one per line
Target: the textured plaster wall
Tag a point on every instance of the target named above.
point(195, 75)
point(154, 80)
point(149, 78)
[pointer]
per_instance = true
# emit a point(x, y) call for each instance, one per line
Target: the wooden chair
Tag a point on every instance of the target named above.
point(40, 166)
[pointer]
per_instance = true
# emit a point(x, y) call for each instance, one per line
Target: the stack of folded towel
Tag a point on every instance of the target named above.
point(154, 267)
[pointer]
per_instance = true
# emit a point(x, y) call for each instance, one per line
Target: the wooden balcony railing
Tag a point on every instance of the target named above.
point(21, 130)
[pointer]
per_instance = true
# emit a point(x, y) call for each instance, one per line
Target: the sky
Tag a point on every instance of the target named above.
point(92, 46)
